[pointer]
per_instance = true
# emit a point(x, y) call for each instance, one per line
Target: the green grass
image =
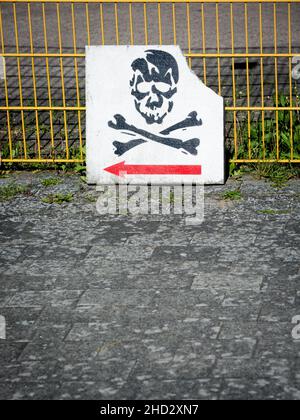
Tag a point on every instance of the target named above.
point(91, 198)
point(58, 198)
point(263, 137)
point(50, 182)
point(8, 192)
point(74, 153)
point(274, 212)
point(277, 173)
point(264, 141)
point(233, 195)
point(4, 174)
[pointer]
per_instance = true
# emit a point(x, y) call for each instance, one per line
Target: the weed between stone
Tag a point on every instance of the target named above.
point(50, 182)
point(8, 192)
point(274, 212)
point(232, 195)
point(58, 198)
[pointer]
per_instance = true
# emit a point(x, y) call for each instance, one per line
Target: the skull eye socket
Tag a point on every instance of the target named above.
point(162, 87)
point(145, 87)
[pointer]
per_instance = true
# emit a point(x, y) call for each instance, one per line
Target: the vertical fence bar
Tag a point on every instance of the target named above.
point(248, 80)
point(62, 79)
point(117, 24)
point(6, 90)
point(48, 80)
point(88, 30)
point(233, 82)
point(262, 79)
point(20, 80)
point(218, 47)
point(77, 79)
point(203, 41)
point(174, 23)
point(159, 23)
point(131, 24)
point(34, 81)
point(291, 81)
point(276, 82)
point(102, 24)
point(188, 19)
point(145, 23)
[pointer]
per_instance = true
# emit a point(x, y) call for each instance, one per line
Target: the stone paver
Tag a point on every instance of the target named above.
point(141, 307)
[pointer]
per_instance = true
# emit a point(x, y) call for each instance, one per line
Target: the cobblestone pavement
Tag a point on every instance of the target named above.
point(110, 307)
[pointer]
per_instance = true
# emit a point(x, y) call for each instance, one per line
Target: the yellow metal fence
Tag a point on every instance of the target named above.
point(247, 51)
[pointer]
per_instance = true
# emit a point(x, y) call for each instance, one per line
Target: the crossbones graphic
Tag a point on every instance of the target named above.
point(189, 146)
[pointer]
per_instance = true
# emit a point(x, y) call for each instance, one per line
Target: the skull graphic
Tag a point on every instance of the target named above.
point(154, 84)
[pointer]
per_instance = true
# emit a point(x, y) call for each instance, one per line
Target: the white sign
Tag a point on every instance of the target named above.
point(150, 119)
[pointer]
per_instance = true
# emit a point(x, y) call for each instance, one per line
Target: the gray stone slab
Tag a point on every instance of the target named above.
point(120, 253)
point(281, 348)
point(149, 307)
point(20, 316)
point(5, 297)
point(42, 298)
point(179, 253)
point(263, 367)
point(170, 389)
point(28, 391)
point(175, 368)
point(91, 390)
point(222, 349)
point(228, 281)
point(10, 351)
point(237, 330)
point(24, 282)
point(259, 389)
point(137, 298)
point(107, 371)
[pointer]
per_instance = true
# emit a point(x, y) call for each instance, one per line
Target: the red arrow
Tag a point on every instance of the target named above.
point(120, 167)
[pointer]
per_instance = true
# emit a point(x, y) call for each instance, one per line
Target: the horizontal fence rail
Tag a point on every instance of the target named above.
point(246, 51)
